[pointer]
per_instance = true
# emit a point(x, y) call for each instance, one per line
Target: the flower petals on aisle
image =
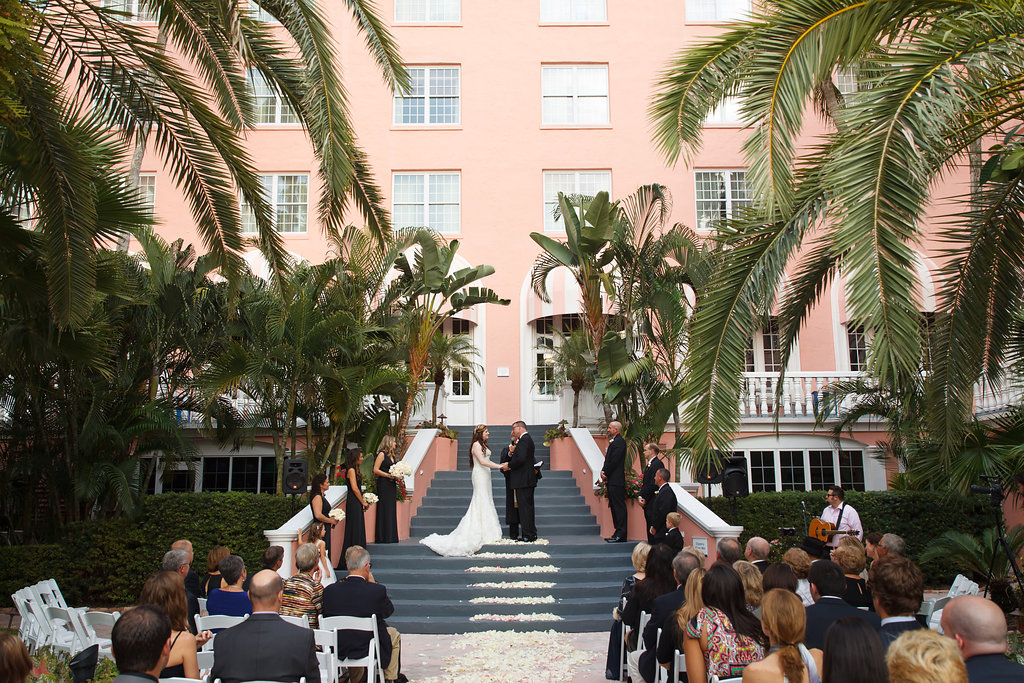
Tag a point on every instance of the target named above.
point(525, 569)
point(508, 656)
point(513, 584)
point(528, 600)
point(535, 555)
point(512, 541)
point(533, 616)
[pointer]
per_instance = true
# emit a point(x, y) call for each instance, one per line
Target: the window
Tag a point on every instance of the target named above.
point(288, 195)
point(461, 378)
point(573, 11)
point(857, 341)
point(846, 80)
point(179, 481)
point(427, 11)
point(240, 473)
point(136, 10)
point(544, 346)
point(716, 11)
point(216, 474)
point(762, 470)
point(270, 107)
point(727, 113)
point(719, 194)
point(147, 190)
point(268, 475)
point(257, 13)
point(763, 353)
point(574, 95)
point(426, 200)
point(460, 326)
point(851, 470)
point(432, 98)
point(823, 471)
point(587, 183)
point(791, 466)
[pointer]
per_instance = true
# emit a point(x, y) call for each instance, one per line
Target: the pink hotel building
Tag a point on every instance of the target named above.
point(512, 103)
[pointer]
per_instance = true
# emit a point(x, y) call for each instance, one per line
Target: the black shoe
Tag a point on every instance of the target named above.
point(531, 539)
point(402, 678)
point(615, 539)
point(519, 539)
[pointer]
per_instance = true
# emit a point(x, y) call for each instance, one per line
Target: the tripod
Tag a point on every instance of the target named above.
point(997, 511)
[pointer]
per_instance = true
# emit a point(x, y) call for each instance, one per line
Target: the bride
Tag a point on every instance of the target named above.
point(480, 523)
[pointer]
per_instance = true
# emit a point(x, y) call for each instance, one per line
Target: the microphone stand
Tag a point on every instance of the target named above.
point(803, 505)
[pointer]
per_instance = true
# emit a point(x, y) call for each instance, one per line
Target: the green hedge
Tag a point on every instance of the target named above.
point(106, 562)
point(916, 516)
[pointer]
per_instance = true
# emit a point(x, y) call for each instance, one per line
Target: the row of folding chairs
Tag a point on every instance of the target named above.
point(48, 621)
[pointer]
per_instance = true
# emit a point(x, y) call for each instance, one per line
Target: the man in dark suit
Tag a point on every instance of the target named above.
point(613, 474)
point(141, 643)
point(265, 647)
point(359, 595)
point(665, 606)
point(979, 628)
point(647, 486)
point(523, 478)
point(897, 588)
point(192, 583)
point(757, 552)
point(511, 511)
point(177, 560)
point(827, 584)
point(664, 503)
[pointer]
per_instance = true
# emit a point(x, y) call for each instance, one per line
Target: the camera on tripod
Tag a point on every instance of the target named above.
point(994, 490)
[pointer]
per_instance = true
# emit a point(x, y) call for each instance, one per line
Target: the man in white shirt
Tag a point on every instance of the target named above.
point(840, 515)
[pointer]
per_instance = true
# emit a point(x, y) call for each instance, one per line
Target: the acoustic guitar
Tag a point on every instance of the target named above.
point(825, 530)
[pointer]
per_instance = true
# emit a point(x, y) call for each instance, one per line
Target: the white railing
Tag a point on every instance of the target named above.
point(989, 399)
point(804, 394)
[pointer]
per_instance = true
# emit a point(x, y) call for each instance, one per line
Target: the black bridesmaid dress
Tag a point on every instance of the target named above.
point(387, 505)
point(355, 526)
point(325, 509)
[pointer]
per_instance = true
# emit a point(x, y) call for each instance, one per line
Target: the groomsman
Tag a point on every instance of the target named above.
point(664, 503)
point(613, 474)
point(647, 486)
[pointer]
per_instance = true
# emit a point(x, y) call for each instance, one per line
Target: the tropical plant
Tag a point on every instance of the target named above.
point(936, 80)
point(447, 353)
point(571, 362)
point(979, 556)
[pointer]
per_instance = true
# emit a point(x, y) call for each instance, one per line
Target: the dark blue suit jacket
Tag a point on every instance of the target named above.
point(993, 669)
point(664, 607)
point(354, 596)
point(265, 647)
point(827, 611)
point(615, 461)
point(892, 631)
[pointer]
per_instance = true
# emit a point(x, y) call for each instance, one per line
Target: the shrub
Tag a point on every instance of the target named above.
point(24, 565)
point(917, 516)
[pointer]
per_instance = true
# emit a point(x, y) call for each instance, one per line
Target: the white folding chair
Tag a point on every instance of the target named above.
point(215, 621)
point(732, 679)
point(623, 664)
point(253, 680)
point(181, 679)
point(371, 660)
point(28, 630)
point(205, 660)
point(297, 620)
point(680, 663)
point(62, 634)
point(202, 606)
point(328, 669)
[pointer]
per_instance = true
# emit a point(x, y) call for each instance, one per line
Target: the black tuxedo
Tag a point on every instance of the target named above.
point(893, 630)
point(664, 607)
point(193, 585)
point(511, 512)
point(664, 503)
point(827, 611)
point(993, 669)
point(674, 539)
point(354, 596)
point(761, 564)
point(648, 489)
point(265, 647)
point(523, 480)
point(614, 469)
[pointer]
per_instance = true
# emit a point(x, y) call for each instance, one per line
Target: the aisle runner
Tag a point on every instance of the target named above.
point(511, 656)
point(533, 616)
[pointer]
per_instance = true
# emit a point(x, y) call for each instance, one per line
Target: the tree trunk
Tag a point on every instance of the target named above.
point(433, 405)
point(575, 408)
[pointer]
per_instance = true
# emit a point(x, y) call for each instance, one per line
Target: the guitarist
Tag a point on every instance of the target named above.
point(838, 513)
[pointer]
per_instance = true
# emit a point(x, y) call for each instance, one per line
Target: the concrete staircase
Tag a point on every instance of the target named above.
point(499, 438)
point(433, 594)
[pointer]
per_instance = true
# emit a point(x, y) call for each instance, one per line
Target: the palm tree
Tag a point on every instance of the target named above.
point(187, 86)
point(937, 79)
point(571, 362)
point(449, 352)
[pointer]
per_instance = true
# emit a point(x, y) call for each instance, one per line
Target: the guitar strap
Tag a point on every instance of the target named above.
point(839, 520)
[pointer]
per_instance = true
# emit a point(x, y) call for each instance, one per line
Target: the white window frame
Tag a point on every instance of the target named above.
point(428, 6)
point(271, 184)
point(427, 96)
point(551, 14)
point(806, 451)
point(861, 335)
point(147, 191)
point(550, 196)
point(716, 11)
point(759, 344)
point(257, 13)
point(282, 109)
point(730, 202)
point(132, 8)
point(460, 377)
point(544, 339)
point(846, 80)
point(575, 96)
point(426, 203)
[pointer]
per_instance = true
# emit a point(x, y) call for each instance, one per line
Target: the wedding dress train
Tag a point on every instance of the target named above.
point(479, 525)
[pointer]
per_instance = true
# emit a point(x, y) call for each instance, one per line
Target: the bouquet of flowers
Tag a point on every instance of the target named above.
point(400, 469)
point(336, 513)
point(370, 498)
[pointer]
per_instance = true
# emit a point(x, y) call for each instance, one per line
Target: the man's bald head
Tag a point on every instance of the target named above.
point(758, 549)
point(265, 591)
point(183, 544)
point(976, 624)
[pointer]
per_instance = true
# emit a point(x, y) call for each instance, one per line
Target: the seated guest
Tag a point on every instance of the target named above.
point(675, 627)
point(724, 637)
point(141, 642)
point(852, 561)
point(265, 647)
point(674, 538)
point(871, 545)
point(167, 591)
point(696, 552)
point(897, 587)
point(613, 666)
point(978, 627)
point(192, 583)
point(853, 653)
point(230, 599)
point(779, 575)
point(177, 561)
point(923, 656)
point(664, 607)
point(855, 543)
point(729, 550)
point(213, 558)
point(273, 558)
point(757, 553)
point(15, 664)
point(752, 588)
point(658, 580)
point(891, 545)
point(827, 586)
point(303, 594)
point(784, 620)
point(800, 562)
point(359, 595)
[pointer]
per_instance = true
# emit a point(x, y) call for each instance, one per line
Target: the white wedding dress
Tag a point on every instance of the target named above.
point(479, 525)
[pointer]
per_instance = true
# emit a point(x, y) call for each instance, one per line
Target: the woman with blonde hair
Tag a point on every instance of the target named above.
point(639, 557)
point(675, 625)
point(166, 590)
point(784, 621)
point(800, 562)
point(753, 588)
point(924, 656)
point(387, 492)
point(852, 559)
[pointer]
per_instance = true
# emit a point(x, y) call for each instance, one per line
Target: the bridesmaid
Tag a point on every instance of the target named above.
point(320, 507)
point(355, 527)
point(387, 493)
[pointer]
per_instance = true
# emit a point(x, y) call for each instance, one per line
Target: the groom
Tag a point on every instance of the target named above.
point(523, 478)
